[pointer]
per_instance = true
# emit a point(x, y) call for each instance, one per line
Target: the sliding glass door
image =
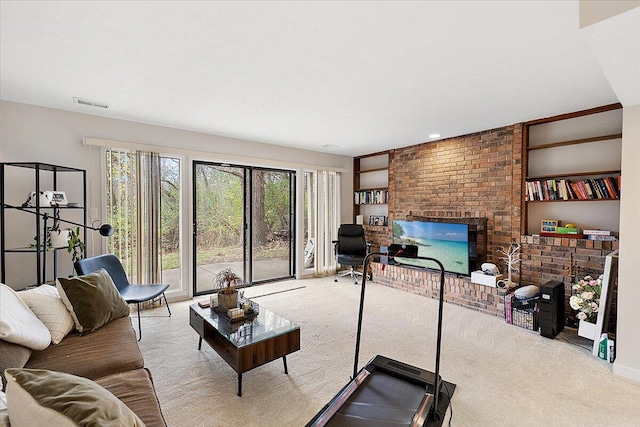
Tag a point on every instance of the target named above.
point(272, 224)
point(243, 220)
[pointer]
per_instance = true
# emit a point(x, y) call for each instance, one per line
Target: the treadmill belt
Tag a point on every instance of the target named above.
point(381, 400)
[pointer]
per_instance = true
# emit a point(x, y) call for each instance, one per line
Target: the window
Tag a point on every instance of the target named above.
point(143, 205)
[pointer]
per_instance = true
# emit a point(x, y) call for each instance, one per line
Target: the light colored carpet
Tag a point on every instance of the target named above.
point(505, 375)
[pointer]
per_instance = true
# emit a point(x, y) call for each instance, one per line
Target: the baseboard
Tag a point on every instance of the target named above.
point(627, 372)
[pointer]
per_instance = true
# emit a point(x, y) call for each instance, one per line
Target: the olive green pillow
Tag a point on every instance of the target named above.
point(37, 397)
point(93, 300)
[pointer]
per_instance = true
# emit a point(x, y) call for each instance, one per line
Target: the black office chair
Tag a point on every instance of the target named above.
point(133, 294)
point(351, 248)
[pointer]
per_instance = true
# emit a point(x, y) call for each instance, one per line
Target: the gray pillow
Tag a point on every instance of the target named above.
point(12, 356)
point(93, 300)
point(41, 397)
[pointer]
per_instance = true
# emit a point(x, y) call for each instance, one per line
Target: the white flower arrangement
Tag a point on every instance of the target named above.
point(586, 298)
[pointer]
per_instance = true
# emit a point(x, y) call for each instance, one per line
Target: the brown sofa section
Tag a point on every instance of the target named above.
point(110, 356)
point(135, 389)
point(111, 349)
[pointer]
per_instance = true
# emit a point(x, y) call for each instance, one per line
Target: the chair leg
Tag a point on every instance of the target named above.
point(354, 275)
point(352, 272)
point(166, 302)
point(139, 326)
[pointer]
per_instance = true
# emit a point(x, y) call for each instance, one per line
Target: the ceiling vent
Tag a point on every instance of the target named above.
point(90, 103)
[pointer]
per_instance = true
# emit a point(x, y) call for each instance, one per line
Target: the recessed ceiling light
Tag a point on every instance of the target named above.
point(90, 103)
point(434, 135)
point(329, 146)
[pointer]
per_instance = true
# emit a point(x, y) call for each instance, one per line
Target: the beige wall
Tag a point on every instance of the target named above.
point(627, 338)
point(592, 11)
point(36, 134)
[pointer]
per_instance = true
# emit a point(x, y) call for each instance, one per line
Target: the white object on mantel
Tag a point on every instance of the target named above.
point(587, 330)
point(480, 278)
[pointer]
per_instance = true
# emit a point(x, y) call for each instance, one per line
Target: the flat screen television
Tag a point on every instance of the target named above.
point(451, 243)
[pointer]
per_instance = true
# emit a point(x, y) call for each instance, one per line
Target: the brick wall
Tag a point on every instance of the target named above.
point(376, 235)
point(552, 258)
point(477, 175)
point(457, 290)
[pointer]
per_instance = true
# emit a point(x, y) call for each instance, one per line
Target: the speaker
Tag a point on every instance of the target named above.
point(551, 309)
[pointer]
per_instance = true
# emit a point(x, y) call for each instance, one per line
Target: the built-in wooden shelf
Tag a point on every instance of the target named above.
point(575, 141)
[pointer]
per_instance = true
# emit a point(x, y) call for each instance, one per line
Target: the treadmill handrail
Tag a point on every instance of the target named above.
point(365, 264)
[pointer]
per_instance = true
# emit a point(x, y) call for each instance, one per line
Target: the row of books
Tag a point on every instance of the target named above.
point(565, 189)
point(371, 197)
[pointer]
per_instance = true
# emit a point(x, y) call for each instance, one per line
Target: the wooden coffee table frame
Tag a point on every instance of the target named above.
point(244, 358)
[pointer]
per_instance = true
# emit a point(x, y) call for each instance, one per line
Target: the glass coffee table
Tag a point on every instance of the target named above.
point(246, 344)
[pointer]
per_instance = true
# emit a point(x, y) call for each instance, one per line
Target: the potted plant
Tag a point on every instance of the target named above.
point(228, 281)
point(586, 300)
point(58, 238)
point(75, 246)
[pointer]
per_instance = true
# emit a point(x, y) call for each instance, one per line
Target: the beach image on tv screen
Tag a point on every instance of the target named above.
point(446, 242)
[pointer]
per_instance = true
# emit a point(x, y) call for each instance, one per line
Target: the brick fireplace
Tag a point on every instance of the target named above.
point(476, 176)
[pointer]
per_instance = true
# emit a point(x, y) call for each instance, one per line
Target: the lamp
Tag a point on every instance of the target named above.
point(105, 230)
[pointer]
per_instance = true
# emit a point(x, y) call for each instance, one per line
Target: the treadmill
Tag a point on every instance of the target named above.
point(388, 392)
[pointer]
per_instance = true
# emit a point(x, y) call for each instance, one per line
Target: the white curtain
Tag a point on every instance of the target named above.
point(327, 220)
point(133, 208)
point(149, 219)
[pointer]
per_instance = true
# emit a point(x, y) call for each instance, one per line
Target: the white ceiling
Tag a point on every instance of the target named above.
point(342, 77)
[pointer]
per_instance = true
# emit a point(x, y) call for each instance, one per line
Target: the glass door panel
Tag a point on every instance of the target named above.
point(272, 224)
point(218, 234)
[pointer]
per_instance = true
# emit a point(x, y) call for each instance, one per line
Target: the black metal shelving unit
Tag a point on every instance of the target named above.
point(40, 213)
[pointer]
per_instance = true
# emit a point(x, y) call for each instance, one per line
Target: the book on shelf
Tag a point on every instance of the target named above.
point(595, 189)
point(597, 232)
point(586, 188)
point(611, 187)
point(602, 238)
point(603, 189)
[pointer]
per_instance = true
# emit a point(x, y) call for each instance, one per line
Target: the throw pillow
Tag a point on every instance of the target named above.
point(40, 397)
point(93, 300)
point(18, 324)
point(46, 304)
point(12, 356)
